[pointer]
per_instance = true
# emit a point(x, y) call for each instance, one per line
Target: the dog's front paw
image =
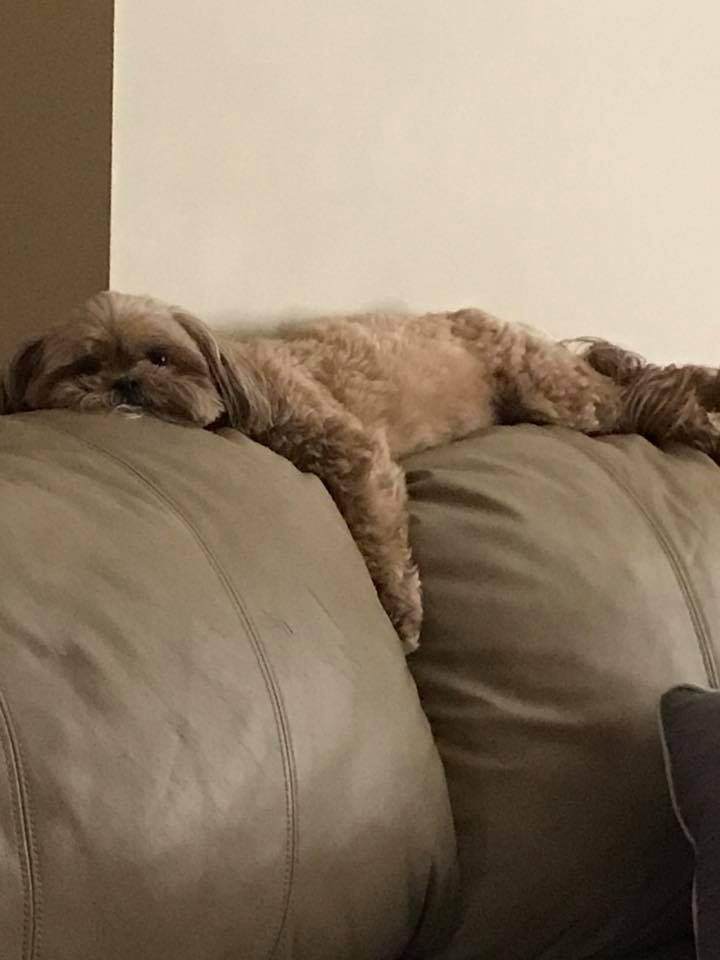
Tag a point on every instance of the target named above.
point(403, 604)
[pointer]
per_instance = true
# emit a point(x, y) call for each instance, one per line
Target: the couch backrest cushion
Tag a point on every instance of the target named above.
point(568, 583)
point(212, 744)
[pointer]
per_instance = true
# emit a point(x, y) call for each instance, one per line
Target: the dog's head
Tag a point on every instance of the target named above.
point(133, 354)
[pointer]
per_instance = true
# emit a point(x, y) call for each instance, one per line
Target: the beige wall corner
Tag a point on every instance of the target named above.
point(56, 112)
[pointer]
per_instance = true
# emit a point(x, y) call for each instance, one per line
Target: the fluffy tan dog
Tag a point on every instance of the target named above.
point(347, 398)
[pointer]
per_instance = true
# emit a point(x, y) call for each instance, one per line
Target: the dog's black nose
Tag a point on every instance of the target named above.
point(128, 389)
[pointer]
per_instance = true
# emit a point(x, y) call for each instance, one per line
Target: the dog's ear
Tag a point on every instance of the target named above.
point(18, 375)
point(246, 404)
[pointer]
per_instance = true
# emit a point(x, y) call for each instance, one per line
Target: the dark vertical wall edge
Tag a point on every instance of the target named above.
point(56, 75)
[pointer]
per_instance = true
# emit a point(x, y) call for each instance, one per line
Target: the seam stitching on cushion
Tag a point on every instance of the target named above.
point(682, 575)
point(266, 670)
point(24, 835)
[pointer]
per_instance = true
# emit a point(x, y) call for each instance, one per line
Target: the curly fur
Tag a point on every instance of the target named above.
point(346, 398)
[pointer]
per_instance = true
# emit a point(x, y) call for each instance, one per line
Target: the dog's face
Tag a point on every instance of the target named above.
point(133, 354)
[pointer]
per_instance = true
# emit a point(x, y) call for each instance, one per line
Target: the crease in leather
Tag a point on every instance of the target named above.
point(670, 770)
point(24, 834)
point(268, 674)
point(699, 623)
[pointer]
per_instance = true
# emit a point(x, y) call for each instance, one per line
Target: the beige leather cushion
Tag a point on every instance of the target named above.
point(212, 746)
point(568, 583)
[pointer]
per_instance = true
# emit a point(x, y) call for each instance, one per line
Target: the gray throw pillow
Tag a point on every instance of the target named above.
point(690, 727)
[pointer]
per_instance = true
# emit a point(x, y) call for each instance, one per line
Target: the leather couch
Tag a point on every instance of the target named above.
point(214, 748)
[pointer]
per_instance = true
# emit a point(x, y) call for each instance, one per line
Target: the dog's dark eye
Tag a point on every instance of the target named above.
point(86, 366)
point(157, 357)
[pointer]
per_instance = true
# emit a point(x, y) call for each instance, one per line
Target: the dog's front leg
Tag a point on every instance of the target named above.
point(372, 496)
point(368, 488)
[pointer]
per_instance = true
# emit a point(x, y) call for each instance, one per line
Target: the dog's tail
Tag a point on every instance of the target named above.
point(627, 368)
point(618, 364)
point(662, 403)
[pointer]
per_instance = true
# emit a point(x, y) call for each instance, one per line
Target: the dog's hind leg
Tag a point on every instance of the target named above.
point(604, 389)
point(541, 381)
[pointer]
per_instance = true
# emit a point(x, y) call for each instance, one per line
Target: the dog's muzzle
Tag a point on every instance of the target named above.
point(127, 391)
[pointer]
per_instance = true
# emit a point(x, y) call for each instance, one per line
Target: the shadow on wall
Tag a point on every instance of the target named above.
point(265, 323)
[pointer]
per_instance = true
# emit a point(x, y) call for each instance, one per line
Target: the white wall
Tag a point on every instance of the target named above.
point(554, 161)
